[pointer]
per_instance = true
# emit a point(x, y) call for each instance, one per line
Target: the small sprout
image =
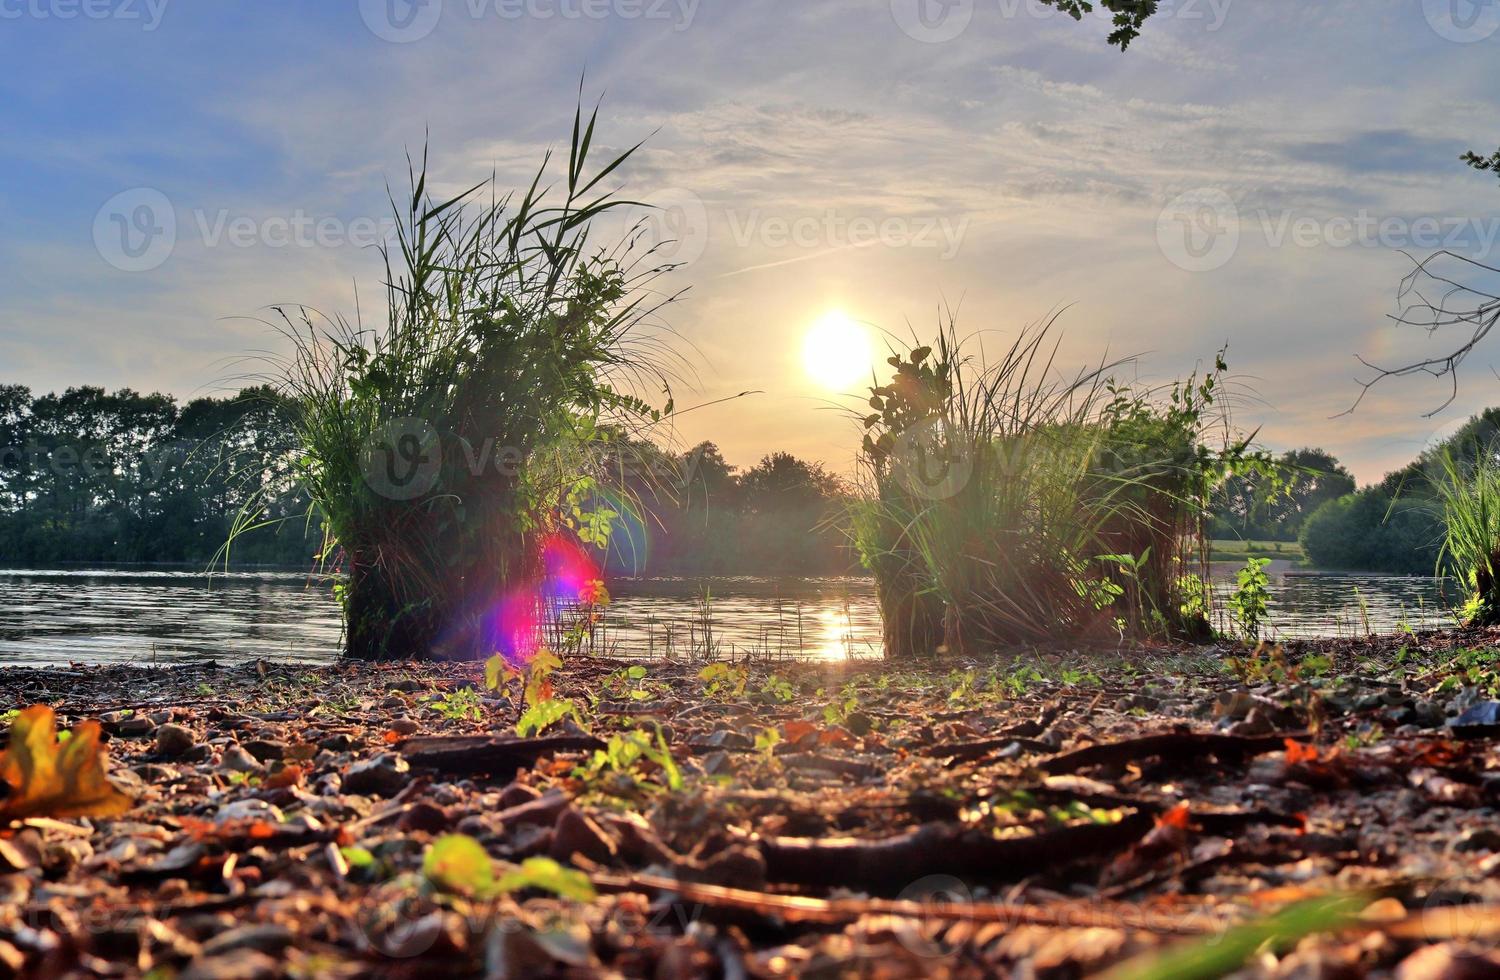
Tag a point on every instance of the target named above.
point(458, 863)
point(543, 715)
point(724, 680)
point(460, 705)
point(547, 875)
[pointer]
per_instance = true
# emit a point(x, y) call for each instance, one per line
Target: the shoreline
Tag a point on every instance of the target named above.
point(284, 813)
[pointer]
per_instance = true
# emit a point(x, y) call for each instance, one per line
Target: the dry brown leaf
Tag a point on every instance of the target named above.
point(45, 778)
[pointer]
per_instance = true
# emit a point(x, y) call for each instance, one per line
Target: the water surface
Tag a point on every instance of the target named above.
point(161, 616)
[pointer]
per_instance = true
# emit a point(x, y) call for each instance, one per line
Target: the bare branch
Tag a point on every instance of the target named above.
point(1461, 302)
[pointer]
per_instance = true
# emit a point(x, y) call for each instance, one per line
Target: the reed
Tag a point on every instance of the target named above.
point(1004, 503)
point(1468, 489)
point(442, 449)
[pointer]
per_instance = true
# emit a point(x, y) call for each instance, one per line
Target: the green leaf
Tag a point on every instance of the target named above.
point(357, 857)
point(494, 672)
point(547, 875)
point(458, 863)
point(543, 715)
point(1218, 955)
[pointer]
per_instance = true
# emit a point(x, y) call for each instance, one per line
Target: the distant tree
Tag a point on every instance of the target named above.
point(1371, 531)
point(1253, 508)
point(782, 479)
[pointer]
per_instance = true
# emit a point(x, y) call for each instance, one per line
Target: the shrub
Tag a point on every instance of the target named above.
point(999, 504)
point(507, 330)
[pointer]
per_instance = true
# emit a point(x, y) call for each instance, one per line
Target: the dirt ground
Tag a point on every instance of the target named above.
point(1324, 810)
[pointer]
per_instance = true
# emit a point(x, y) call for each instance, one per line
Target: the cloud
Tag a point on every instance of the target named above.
point(1053, 153)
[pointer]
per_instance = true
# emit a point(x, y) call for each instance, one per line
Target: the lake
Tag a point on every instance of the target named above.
point(161, 616)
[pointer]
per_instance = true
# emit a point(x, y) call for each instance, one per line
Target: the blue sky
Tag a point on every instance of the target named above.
point(816, 155)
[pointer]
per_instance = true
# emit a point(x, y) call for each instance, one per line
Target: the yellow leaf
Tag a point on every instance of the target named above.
point(48, 779)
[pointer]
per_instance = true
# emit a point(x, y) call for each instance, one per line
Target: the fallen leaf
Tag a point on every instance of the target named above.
point(1296, 753)
point(796, 731)
point(1177, 817)
point(284, 777)
point(49, 779)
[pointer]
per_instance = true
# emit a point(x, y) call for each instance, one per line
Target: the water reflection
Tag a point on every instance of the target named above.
point(92, 616)
point(1307, 604)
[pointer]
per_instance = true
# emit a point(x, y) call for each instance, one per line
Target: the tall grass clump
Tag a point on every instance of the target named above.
point(1468, 489)
point(442, 449)
point(1005, 503)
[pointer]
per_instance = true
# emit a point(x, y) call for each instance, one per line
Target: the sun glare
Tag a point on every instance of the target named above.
point(836, 352)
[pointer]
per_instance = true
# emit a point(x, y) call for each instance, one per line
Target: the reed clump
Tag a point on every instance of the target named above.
point(443, 449)
point(1004, 503)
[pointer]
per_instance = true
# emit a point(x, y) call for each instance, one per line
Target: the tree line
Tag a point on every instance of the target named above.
point(92, 476)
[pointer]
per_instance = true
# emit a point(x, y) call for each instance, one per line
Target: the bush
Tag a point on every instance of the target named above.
point(1001, 505)
point(1370, 531)
point(509, 331)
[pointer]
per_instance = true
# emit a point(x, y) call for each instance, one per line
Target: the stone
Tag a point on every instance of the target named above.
point(242, 964)
point(136, 726)
point(518, 793)
point(266, 750)
point(575, 833)
point(236, 759)
point(174, 740)
point(385, 775)
point(339, 742)
point(1478, 839)
point(248, 810)
point(722, 739)
point(262, 937)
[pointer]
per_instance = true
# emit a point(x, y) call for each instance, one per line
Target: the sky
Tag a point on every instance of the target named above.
point(1255, 174)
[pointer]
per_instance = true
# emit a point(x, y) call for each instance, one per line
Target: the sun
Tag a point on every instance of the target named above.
point(836, 352)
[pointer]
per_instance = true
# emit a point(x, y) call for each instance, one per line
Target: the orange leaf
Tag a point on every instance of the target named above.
point(47, 779)
point(1176, 817)
point(282, 778)
point(1297, 752)
point(391, 737)
point(836, 736)
point(796, 731)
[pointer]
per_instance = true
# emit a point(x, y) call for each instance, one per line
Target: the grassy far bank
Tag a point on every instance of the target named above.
point(1221, 549)
point(1034, 812)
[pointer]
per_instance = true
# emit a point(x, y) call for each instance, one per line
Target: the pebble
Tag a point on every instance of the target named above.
point(339, 742)
point(517, 793)
point(264, 938)
point(1478, 839)
point(722, 739)
point(385, 775)
point(266, 750)
point(405, 726)
point(575, 833)
point(242, 964)
point(174, 740)
point(135, 727)
point(248, 810)
point(236, 759)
